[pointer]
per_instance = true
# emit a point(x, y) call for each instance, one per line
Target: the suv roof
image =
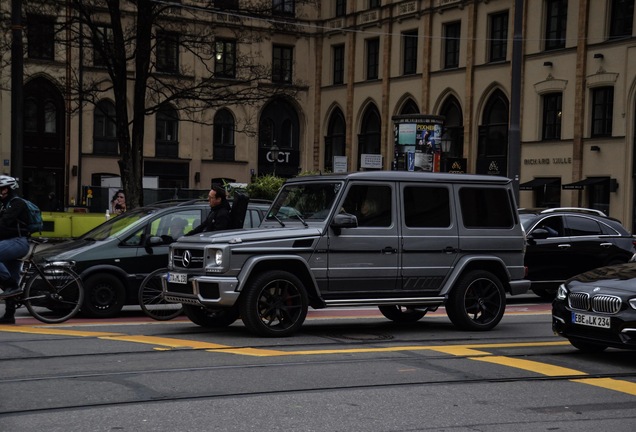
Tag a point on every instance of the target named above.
point(406, 176)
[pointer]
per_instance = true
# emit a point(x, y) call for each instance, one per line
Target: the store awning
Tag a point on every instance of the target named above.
point(585, 182)
point(536, 183)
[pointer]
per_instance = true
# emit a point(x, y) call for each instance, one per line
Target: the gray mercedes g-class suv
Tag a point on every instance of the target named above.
point(407, 242)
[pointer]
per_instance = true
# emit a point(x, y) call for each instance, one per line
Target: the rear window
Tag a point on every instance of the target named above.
point(485, 207)
point(426, 207)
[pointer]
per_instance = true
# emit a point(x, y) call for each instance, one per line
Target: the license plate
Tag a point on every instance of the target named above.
point(179, 278)
point(590, 320)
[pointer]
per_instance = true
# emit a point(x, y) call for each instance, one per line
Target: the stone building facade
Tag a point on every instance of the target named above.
point(358, 66)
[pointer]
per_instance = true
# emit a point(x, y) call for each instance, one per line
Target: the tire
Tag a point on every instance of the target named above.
point(401, 314)
point(211, 318)
point(105, 296)
point(477, 302)
point(151, 300)
point(55, 298)
point(587, 347)
point(274, 304)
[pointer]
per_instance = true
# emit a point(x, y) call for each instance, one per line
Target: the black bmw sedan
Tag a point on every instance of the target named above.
point(597, 309)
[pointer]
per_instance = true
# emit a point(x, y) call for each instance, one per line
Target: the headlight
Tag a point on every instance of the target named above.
point(562, 292)
point(218, 257)
point(632, 303)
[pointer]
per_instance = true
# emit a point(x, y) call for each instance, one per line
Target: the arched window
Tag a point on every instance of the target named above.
point(335, 139)
point(167, 131)
point(223, 136)
point(409, 107)
point(454, 126)
point(492, 145)
point(279, 124)
point(370, 133)
point(104, 129)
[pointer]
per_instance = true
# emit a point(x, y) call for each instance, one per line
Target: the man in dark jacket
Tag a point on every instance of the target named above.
point(219, 217)
point(13, 243)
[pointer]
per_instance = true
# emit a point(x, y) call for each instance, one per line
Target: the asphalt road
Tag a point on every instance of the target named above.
point(347, 370)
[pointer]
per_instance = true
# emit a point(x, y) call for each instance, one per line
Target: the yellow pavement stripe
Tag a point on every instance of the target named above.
point(530, 365)
point(610, 383)
point(53, 331)
point(552, 370)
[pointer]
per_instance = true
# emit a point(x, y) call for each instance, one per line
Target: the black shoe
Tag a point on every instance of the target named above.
point(7, 320)
point(10, 292)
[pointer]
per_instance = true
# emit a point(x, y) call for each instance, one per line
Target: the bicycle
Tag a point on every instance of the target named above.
point(52, 293)
point(151, 298)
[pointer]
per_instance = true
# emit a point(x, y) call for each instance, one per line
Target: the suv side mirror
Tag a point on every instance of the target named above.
point(153, 241)
point(539, 234)
point(343, 220)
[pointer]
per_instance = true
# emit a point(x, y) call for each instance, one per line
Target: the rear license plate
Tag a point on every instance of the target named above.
point(590, 320)
point(179, 278)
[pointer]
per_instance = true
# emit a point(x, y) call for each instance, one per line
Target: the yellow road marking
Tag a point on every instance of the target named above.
point(470, 351)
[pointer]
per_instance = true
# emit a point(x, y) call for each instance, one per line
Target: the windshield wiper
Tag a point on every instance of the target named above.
point(300, 218)
point(271, 216)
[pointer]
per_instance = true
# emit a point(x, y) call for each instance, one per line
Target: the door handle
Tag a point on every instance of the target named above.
point(564, 246)
point(606, 245)
point(389, 250)
point(450, 250)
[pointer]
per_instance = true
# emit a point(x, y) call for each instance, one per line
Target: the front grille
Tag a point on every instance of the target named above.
point(187, 258)
point(606, 304)
point(579, 301)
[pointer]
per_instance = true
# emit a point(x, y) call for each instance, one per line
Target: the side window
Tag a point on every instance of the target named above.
point(485, 207)
point(370, 204)
point(426, 207)
point(581, 226)
point(553, 225)
point(136, 238)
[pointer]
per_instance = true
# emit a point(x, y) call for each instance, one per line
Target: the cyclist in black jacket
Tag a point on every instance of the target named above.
point(13, 243)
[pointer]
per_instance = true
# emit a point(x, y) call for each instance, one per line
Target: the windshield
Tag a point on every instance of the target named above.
point(305, 202)
point(116, 225)
point(527, 220)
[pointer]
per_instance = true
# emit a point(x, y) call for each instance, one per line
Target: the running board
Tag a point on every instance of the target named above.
point(403, 301)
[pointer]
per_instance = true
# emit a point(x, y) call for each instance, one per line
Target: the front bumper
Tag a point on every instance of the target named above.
point(621, 334)
point(203, 291)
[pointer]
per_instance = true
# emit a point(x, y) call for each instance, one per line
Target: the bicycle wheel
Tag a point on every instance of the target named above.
point(151, 298)
point(53, 296)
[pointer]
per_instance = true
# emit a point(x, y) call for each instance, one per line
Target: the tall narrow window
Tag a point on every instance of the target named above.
point(498, 36)
point(282, 60)
point(552, 116)
point(452, 33)
point(373, 58)
point(225, 59)
point(341, 8)
point(167, 52)
point(338, 64)
point(223, 145)
point(166, 133)
point(602, 111)
point(335, 144)
point(374, 4)
point(40, 37)
point(102, 45)
point(283, 7)
point(621, 18)
point(409, 55)
point(104, 129)
point(555, 25)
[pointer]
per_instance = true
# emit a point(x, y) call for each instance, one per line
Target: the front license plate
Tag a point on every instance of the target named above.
point(180, 278)
point(590, 320)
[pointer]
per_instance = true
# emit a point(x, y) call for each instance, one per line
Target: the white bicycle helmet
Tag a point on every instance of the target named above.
point(7, 181)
